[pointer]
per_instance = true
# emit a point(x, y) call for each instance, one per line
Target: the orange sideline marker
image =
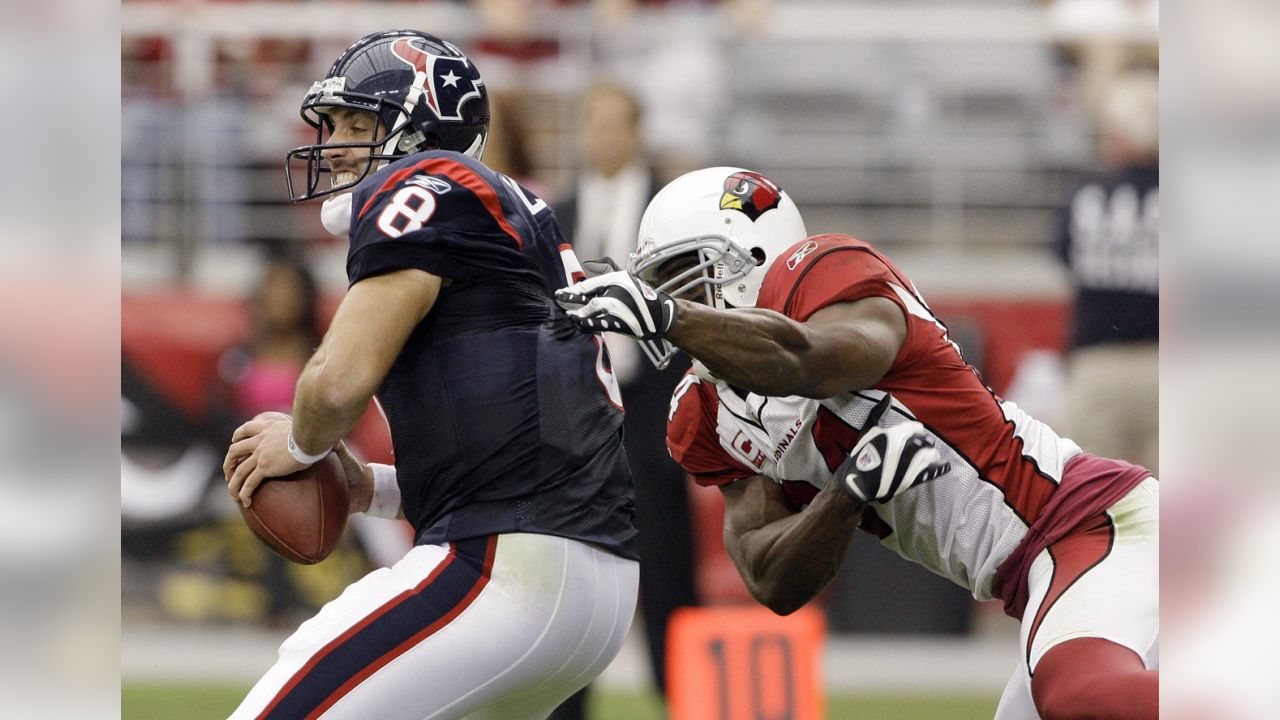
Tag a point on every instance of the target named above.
point(745, 663)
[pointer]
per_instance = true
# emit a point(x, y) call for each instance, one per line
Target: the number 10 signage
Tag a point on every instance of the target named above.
point(745, 663)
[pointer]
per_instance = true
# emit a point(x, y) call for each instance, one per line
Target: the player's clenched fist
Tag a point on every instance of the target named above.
point(619, 302)
point(888, 461)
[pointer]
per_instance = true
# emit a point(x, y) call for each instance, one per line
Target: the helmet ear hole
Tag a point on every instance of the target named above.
point(759, 255)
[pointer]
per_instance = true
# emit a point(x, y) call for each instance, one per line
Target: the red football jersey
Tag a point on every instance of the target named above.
point(1006, 465)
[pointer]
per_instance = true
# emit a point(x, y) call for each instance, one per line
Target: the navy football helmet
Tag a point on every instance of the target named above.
point(423, 91)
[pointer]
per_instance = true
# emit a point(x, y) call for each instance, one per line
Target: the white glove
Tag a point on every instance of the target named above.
point(889, 461)
point(619, 302)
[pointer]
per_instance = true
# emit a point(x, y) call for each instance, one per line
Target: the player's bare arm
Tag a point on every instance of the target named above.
point(367, 333)
point(842, 347)
point(786, 558)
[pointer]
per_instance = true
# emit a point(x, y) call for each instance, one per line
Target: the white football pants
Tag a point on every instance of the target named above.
point(506, 627)
point(1104, 583)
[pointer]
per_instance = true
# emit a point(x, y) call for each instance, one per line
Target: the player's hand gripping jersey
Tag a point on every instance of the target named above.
point(1014, 485)
point(504, 416)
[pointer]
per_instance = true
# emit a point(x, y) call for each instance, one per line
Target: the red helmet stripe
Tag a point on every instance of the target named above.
point(411, 54)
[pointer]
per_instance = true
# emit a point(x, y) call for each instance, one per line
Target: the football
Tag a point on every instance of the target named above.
point(301, 516)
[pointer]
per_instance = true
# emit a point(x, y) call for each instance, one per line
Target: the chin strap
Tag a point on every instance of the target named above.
point(335, 215)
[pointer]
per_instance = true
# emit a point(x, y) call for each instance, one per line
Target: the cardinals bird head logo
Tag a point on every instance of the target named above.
point(750, 193)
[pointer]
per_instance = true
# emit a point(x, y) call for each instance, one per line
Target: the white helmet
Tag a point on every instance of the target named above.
point(734, 222)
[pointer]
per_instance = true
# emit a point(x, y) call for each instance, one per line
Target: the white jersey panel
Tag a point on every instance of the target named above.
point(758, 431)
point(1049, 451)
point(957, 526)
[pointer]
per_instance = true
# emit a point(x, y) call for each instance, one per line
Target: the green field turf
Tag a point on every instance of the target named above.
point(159, 701)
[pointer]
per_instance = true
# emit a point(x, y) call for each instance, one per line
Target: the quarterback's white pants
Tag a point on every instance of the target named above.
point(499, 627)
point(1103, 583)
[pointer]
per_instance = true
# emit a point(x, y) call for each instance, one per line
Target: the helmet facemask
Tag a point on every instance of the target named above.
point(680, 268)
point(385, 147)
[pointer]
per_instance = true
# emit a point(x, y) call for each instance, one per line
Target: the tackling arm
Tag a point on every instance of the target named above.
point(786, 558)
point(842, 347)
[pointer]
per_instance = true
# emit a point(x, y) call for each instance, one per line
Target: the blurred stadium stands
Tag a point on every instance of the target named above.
point(920, 124)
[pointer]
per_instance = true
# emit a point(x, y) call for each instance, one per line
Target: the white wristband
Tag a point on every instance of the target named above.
point(300, 455)
point(386, 492)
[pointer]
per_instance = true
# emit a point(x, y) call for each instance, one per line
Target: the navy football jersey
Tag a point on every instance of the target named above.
point(504, 416)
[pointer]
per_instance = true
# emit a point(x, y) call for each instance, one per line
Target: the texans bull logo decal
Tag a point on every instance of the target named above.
point(445, 82)
point(751, 194)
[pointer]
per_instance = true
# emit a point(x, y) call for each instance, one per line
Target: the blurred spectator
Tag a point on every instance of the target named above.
point(602, 219)
point(667, 52)
point(515, 48)
point(195, 558)
point(1105, 38)
point(616, 182)
point(1109, 240)
point(528, 70)
point(673, 60)
point(507, 149)
point(190, 552)
point(261, 374)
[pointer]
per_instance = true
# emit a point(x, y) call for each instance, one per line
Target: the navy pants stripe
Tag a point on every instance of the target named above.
point(386, 633)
